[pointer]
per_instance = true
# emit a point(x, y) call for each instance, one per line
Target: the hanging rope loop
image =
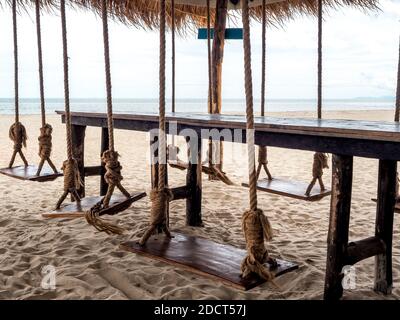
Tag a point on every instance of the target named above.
point(18, 135)
point(72, 177)
point(45, 141)
point(262, 155)
point(93, 218)
point(255, 224)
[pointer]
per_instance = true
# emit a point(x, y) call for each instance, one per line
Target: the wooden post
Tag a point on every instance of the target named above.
point(338, 234)
point(78, 149)
point(193, 183)
point(216, 70)
point(104, 147)
point(384, 224)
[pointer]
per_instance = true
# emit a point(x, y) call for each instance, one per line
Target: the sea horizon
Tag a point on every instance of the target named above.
point(31, 106)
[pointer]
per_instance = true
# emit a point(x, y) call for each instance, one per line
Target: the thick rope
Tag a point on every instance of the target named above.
point(161, 196)
point(17, 131)
point(320, 162)
point(173, 54)
point(45, 138)
point(17, 134)
point(210, 94)
point(93, 218)
point(15, 37)
point(72, 179)
point(319, 59)
point(397, 114)
point(262, 150)
point(255, 224)
point(320, 159)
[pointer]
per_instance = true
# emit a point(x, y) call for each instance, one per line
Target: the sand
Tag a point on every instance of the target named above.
point(89, 265)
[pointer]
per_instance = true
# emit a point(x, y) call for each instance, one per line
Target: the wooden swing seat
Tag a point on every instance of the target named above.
point(291, 189)
point(29, 173)
point(204, 257)
point(74, 210)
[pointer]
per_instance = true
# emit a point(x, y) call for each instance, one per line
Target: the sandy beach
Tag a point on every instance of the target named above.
point(89, 264)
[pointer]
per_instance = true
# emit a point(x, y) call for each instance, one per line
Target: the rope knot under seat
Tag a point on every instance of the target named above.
point(256, 228)
point(72, 177)
point(18, 135)
point(113, 175)
point(320, 162)
point(158, 213)
point(262, 155)
point(45, 141)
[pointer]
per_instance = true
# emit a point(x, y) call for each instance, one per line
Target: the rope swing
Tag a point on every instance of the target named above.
point(113, 175)
point(17, 131)
point(160, 196)
point(255, 224)
point(72, 178)
point(262, 150)
point(45, 138)
point(320, 161)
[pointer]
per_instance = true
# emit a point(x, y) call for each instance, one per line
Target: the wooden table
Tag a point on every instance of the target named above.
point(344, 139)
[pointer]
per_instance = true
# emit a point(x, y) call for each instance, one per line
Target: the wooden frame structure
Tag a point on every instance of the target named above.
point(342, 138)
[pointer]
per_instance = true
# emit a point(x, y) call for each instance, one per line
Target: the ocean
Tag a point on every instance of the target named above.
point(32, 106)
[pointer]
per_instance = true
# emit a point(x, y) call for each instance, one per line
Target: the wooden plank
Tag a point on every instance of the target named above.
point(384, 224)
point(204, 257)
point(29, 173)
point(360, 129)
point(338, 232)
point(291, 189)
point(230, 34)
point(363, 249)
point(73, 210)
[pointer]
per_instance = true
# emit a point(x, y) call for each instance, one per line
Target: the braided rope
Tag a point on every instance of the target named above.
point(319, 59)
point(110, 121)
point(173, 54)
point(263, 57)
point(162, 138)
point(210, 94)
point(40, 62)
point(15, 38)
point(249, 106)
point(397, 114)
point(66, 81)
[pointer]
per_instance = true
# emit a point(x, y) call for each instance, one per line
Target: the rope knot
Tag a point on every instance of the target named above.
point(320, 162)
point(45, 141)
point(18, 135)
point(113, 174)
point(256, 228)
point(262, 155)
point(72, 177)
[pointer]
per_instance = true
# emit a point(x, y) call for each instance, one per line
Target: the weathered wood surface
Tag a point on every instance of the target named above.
point(291, 189)
point(338, 232)
point(363, 249)
point(29, 173)
point(203, 257)
point(396, 207)
point(118, 204)
point(384, 224)
point(349, 137)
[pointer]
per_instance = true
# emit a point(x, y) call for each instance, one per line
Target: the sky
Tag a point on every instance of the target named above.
point(360, 52)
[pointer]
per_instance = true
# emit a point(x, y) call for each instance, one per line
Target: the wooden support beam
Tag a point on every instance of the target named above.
point(104, 147)
point(338, 234)
point(363, 249)
point(216, 73)
point(194, 184)
point(384, 224)
point(93, 171)
point(78, 149)
point(180, 192)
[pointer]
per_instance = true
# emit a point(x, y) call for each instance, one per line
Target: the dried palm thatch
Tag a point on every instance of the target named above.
point(190, 14)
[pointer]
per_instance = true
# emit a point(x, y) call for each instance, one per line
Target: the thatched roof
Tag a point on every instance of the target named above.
point(193, 13)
